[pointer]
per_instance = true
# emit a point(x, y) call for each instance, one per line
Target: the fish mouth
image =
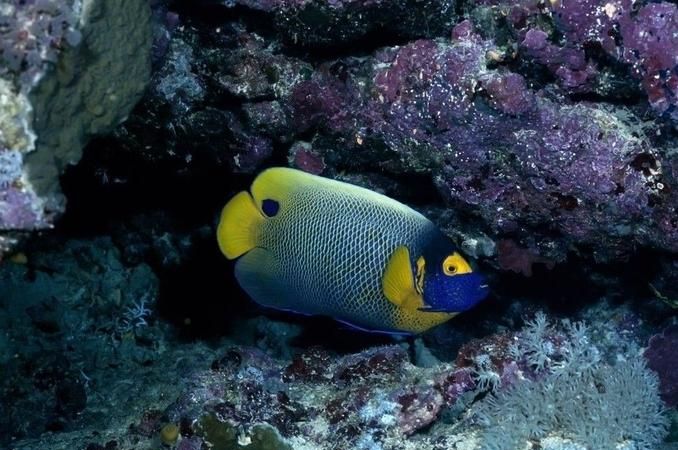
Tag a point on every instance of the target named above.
point(483, 291)
point(430, 309)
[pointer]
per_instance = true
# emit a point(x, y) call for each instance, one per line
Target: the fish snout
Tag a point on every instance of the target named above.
point(477, 288)
point(483, 290)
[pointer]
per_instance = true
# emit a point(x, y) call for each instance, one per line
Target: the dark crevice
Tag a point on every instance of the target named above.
point(363, 47)
point(112, 185)
point(214, 14)
point(567, 287)
point(418, 190)
point(226, 101)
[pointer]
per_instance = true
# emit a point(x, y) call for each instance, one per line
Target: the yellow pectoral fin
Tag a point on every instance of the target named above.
point(398, 281)
point(237, 230)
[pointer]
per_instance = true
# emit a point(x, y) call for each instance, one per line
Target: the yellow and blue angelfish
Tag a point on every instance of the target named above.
point(323, 247)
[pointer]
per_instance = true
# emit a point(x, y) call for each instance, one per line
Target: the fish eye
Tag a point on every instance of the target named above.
point(455, 264)
point(270, 207)
point(450, 269)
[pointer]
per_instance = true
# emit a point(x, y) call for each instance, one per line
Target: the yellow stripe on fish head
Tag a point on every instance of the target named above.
point(240, 218)
point(243, 216)
point(398, 283)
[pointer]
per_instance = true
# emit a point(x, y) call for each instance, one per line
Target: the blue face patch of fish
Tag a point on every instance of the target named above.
point(322, 247)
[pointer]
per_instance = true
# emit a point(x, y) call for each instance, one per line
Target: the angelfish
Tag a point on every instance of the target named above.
point(318, 246)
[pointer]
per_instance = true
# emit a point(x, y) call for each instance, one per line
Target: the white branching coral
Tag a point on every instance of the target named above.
point(578, 397)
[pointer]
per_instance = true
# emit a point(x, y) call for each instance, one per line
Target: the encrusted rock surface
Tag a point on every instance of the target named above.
point(522, 160)
point(63, 81)
point(541, 136)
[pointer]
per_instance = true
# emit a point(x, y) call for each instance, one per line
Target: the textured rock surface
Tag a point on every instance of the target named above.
point(661, 358)
point(541, 145)
point(66, 89)
point(123, 379)
point(540, 135)
point(74, 328)
point(321, 24)
point(20, 208)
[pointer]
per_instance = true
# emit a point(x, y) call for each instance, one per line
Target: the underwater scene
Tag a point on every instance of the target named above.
point(338, 225)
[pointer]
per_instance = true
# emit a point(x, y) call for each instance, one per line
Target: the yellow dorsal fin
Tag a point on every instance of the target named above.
point(240, 220)
point(398, 281)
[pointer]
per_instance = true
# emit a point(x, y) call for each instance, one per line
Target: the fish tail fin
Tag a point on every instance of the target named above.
point(239, 224)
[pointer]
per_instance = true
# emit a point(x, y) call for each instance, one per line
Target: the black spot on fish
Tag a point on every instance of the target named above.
point(270, 207)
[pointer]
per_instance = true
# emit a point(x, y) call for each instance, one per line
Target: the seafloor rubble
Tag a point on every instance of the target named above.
point(88, 353)
point(541, 136)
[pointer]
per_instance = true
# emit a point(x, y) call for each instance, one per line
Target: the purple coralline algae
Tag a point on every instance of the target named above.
point(32, 33)
point(419, 407)
point(569, 65)
point(650, 46)
point(303, 157)
point(20, 207)
point(19, 210)
point(565, 35)
point(523, 160)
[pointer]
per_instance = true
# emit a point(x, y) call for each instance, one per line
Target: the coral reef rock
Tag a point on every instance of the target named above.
point(61, 82)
